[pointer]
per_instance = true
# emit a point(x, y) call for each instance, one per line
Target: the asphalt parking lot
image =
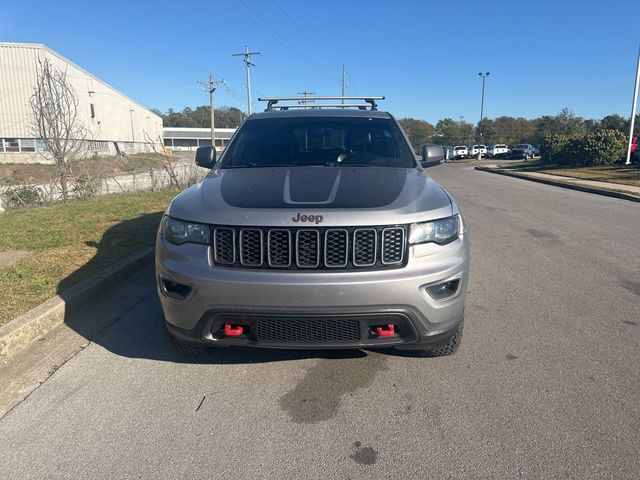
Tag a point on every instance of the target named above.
point(545, 385)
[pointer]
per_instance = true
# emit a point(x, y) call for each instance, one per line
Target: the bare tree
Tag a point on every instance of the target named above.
point(54, 119)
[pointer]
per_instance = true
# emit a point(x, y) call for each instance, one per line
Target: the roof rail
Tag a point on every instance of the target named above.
point(308, 102)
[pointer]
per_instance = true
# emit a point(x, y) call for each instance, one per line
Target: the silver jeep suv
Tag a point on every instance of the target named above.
point(316, 228)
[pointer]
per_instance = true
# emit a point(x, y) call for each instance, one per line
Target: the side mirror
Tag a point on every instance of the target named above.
point(206, 156)
point(432, 155)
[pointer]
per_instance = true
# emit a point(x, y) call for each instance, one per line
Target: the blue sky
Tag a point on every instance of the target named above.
point(423, 55)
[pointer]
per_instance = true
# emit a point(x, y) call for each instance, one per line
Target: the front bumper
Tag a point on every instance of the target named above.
point(372, 298)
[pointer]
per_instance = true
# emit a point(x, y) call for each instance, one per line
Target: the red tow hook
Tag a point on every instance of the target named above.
point(389, 331)
point(231, 331)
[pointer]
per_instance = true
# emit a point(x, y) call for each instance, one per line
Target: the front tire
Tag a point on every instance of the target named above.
point(180, 346)
point(448, 347)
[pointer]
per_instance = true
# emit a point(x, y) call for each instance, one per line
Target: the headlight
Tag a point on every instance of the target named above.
point(179, 232)
point(441, 231)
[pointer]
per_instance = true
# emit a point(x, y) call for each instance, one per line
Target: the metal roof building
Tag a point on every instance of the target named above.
point(116, 122)
point(182, 138)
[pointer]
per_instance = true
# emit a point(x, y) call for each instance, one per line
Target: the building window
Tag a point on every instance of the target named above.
point(185, 142)
point(40, 145)
point(93, 111)
point(167, 142)
point(98, 146)
point(1, 145)
point(11, 145)
point(203, 142)
point(27, 145)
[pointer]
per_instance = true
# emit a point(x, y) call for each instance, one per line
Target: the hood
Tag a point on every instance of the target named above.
point(332, 196)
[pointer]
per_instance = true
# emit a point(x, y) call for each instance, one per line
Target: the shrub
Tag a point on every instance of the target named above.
point(573, 154)
point(553, 147)
point(599, 148)
point(604, 147)
point(86, 187)
point(21, 196)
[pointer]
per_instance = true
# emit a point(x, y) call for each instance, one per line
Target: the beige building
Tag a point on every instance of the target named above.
point(116, 122)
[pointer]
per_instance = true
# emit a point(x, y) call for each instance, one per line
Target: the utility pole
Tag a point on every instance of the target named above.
point(305, 94)
point(211, 86)
point(633, 110)
point(343, 82)
point(247, 61)
point(484, 76)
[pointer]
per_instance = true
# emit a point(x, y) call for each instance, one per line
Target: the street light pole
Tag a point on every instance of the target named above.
point(484, 76)
point(633, 109)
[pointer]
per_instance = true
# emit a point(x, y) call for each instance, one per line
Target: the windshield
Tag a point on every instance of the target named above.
point(320, 141)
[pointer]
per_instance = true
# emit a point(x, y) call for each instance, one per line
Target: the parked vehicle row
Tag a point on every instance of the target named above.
point(522, 151)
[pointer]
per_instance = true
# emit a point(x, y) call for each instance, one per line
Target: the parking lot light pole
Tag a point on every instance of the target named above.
point(484, 76)
point(633, 110)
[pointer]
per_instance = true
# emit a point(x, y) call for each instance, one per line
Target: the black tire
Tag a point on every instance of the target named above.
point(181, 347)
point(443, 349)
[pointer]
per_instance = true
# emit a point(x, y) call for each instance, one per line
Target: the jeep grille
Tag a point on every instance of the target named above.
point(352, 248)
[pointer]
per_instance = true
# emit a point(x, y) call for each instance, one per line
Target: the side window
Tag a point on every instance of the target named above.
point(27, 145)
point(11, 145)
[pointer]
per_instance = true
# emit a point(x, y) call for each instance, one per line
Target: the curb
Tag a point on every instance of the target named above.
point(556, 183)
point(16, 334)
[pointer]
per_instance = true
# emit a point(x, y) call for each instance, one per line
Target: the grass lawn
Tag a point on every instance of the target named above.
point(621, 174)
point(69, 242)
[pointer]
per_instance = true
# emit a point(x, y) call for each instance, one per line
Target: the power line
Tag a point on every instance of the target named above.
point(255, 18)
point(110, 35)
point(274, 74)
point(353, 87)
point(320, 49)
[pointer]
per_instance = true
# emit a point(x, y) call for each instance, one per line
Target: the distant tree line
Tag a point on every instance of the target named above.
point(447, 131)
point(225, 117)
point(510, 130)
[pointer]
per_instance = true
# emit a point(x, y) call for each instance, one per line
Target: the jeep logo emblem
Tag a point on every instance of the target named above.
point(308, 218)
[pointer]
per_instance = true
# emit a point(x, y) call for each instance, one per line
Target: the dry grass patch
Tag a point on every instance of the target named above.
point(624, 175)
point(94, 167)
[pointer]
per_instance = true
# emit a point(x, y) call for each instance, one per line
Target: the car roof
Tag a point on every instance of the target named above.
point(319, 112)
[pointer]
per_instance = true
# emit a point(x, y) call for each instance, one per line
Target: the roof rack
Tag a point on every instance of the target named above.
point(308, 102)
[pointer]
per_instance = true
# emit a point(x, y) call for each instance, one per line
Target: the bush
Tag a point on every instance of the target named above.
point(21, 196)
point(599, 148)
point(604, 147)
point(86, 187)
point(553, 147)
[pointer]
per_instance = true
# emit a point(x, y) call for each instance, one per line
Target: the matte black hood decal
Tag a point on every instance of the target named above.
point(325, 187)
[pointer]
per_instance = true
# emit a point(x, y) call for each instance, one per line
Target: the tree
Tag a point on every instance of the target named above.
point(614, 122)
point(569, 124)
point(54, 119)
point(418, 131)
point(226, 117)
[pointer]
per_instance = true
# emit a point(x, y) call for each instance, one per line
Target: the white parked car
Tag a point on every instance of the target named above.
point(460, 152)
point(497, 150)
point(474, 150)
